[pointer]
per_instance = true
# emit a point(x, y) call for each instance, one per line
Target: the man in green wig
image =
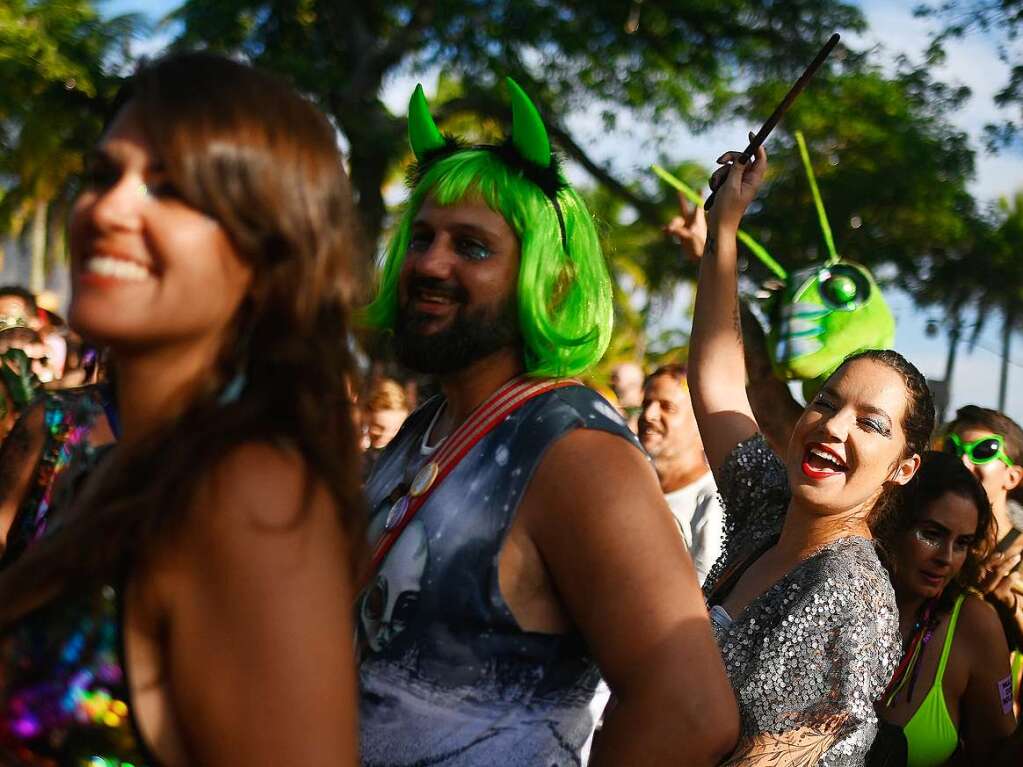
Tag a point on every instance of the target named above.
point(522, 549)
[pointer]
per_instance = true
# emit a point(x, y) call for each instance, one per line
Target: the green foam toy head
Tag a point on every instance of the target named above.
point(824, 314)
point(821, 314)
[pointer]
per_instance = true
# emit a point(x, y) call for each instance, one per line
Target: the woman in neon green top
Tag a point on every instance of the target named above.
point(951, 694)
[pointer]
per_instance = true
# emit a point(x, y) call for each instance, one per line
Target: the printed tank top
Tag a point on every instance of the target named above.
point(447, 676)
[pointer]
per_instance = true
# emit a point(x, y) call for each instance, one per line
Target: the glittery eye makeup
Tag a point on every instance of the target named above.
point(937, 540)
point(928, 537)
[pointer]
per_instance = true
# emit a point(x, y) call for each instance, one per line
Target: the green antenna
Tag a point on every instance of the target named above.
point(758, 250)
point(822, 215)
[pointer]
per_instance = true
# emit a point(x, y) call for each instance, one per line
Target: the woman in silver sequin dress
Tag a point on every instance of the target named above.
point(803, 611)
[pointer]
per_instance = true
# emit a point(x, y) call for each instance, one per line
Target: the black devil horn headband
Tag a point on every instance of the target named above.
point(527, 149)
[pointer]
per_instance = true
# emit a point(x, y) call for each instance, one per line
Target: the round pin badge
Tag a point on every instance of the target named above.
point(424, 479)
point(397, 513)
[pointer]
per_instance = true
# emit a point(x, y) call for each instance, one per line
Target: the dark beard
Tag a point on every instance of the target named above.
point(472, 335)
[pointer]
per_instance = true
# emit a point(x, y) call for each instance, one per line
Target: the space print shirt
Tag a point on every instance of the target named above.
point(447, 677)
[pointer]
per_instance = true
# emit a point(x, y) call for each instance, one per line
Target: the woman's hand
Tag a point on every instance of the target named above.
point(689, 229)
point(735, 185)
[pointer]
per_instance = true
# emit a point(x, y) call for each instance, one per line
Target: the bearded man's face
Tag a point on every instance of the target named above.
point(457, 290)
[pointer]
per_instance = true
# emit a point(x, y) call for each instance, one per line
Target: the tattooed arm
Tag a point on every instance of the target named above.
point(796, 748)
point(18, 458)
point(717, 372)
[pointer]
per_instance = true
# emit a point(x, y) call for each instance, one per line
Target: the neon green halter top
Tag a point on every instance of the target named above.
point(931, 736)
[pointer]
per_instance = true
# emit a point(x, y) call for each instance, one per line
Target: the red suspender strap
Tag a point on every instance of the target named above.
point(502, 403)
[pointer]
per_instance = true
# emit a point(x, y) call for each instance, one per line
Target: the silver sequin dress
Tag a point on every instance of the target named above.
point(812, 653)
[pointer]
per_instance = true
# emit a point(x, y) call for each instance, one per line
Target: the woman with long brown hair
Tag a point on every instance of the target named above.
point(192, 605)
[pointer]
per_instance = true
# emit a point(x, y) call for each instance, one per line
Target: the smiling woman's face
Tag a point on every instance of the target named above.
point(147, 268)
point(932, 552)
point(849, 441)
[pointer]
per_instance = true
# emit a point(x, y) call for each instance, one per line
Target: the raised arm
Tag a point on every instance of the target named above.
point(774, 408)
point(717, 371)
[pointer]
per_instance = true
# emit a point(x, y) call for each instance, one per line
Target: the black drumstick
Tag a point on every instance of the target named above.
point(783, 107)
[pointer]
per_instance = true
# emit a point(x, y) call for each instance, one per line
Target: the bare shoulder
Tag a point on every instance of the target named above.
point(258, 497)
point(589, 461)
point(981, 628)
point(591, 481)
point(259, 514)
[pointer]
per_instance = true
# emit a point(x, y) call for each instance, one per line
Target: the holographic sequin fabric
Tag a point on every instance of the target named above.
point(807, 658)
point(63, 693)
point(67, 455)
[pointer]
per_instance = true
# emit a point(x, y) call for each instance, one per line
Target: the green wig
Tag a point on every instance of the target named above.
point(565, 305)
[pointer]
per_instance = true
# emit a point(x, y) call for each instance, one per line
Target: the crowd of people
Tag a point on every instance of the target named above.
point(221, 546)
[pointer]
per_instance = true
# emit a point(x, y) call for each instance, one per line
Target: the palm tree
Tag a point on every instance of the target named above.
point(59, 62)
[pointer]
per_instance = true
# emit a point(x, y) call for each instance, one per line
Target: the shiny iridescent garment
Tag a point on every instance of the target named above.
point(66, 457)
point(63, 693)
point(810, 655)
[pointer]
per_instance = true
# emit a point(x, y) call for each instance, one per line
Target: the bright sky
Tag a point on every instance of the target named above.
point(972, 62)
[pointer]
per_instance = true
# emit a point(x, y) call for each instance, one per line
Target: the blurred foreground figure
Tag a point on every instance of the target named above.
point(522, 544)
point(191, 603)
point(668, 432)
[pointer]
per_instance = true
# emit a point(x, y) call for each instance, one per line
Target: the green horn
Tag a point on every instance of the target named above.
point(528, 133)
point(423, 134)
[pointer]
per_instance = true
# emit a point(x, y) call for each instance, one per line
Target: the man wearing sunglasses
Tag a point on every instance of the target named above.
point(990, 444)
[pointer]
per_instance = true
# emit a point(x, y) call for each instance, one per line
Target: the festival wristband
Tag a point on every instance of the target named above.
point(1005, 694)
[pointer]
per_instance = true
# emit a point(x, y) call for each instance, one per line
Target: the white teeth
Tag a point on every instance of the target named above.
point(105, 266)
point(826, 457)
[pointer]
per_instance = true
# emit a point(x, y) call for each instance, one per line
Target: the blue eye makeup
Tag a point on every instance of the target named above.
point(472, 249)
